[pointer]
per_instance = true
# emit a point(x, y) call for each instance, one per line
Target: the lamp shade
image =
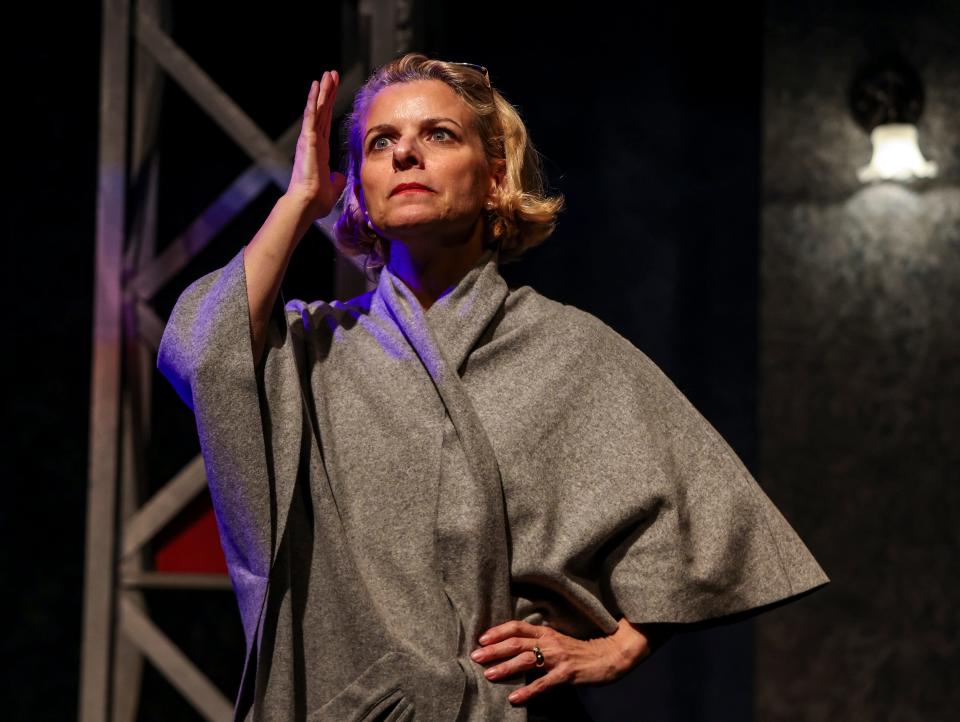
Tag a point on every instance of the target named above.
point(896, 155)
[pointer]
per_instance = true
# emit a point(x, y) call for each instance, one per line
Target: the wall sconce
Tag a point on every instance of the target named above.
point(886, 99)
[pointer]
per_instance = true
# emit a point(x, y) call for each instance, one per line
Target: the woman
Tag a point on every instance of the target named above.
point(448, 499)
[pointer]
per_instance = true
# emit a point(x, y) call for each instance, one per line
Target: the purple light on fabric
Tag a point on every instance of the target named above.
point(396, 291)
point(466, 307)
point(332, 315)
point(392, 343)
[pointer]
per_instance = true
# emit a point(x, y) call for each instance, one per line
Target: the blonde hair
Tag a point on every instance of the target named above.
point(522, 215)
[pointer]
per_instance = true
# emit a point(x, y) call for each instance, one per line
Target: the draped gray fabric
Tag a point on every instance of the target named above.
point(499, 455)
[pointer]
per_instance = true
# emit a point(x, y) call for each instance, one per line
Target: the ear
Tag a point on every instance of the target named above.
point(498, 171)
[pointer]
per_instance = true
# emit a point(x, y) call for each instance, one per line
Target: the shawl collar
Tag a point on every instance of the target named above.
point(442, 338)
point(458, 318)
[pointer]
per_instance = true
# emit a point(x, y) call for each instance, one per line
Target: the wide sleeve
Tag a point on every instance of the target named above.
point(653, 512)
point(242, 413)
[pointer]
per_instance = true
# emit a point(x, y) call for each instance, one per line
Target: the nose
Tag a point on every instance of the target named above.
point(406, 154)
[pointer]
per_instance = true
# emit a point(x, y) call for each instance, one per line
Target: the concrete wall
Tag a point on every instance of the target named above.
point(860, 371)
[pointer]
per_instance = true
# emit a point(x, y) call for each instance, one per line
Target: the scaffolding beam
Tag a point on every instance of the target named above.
point(118, 634)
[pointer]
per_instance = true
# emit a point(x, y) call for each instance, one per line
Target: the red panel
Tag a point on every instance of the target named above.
point(190, 543)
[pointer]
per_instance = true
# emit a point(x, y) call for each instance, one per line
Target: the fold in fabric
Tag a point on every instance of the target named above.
point(499, 455)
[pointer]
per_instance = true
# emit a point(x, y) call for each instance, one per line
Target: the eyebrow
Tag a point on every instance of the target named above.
point(426, 121)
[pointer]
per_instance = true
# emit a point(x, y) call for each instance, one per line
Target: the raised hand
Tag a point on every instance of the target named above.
point(311, 180)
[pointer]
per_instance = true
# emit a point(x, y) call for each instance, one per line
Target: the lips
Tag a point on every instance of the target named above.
point(409, 187)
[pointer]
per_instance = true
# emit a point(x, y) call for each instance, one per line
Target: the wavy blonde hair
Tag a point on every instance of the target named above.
point(523, 215)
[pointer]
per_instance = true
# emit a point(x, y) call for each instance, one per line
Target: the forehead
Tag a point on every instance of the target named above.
point(409, 102)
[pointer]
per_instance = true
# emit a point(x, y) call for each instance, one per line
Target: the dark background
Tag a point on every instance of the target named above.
point(705, 154)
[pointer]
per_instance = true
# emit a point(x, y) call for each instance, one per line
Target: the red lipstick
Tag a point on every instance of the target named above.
point(409, 187)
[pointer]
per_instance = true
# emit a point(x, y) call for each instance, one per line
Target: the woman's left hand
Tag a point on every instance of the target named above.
point(567, 660)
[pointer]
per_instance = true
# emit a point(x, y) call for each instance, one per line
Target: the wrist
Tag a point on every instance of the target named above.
point(297, 202)
point(632, 644)
point(297, 198)
point(301, 207)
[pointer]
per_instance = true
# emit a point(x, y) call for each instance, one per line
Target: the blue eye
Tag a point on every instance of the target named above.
point(433, 131)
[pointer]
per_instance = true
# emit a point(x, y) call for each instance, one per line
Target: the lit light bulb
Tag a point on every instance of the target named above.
point(896, 155)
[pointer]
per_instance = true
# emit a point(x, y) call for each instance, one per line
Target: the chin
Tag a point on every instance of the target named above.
point(410, 225)
point(406, 223)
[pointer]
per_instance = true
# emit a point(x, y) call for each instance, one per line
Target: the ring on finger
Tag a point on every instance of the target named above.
point(539, 655)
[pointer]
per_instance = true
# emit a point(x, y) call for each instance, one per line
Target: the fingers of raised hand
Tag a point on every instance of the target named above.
point(325, 102)
point(311, 108)
point(320, 101)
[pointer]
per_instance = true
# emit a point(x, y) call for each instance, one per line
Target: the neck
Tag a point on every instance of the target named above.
point(429, 268)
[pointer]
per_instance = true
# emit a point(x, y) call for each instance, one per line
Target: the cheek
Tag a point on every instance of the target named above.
point(470, 183)
point(370, 175)
point(367, 189)
point(364, 179)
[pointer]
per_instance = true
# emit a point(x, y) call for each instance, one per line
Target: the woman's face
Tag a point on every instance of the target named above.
point(421, 132)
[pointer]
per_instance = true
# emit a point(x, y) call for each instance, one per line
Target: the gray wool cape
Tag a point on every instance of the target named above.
point(390, 482)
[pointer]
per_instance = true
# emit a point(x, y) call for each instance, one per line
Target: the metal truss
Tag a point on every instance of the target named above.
point(118, 633)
